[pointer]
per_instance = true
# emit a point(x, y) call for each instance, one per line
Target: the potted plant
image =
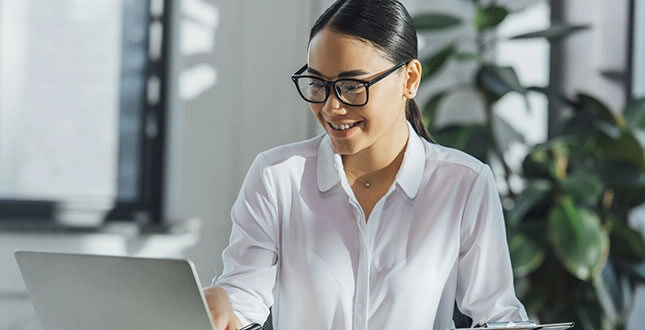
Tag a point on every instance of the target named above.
point(574, 255)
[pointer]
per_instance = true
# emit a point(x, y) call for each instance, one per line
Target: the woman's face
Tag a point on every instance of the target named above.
point(352, 129)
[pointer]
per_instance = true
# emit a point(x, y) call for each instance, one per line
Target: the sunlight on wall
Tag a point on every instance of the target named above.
point(199, 23)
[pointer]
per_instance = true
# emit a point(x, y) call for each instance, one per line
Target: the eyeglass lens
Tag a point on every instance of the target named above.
point(349, 91)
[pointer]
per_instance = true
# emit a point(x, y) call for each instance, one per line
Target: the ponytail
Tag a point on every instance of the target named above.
point(413, 115)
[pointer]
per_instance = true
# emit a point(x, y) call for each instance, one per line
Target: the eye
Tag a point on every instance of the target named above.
point(315, 84)
point(351, 87)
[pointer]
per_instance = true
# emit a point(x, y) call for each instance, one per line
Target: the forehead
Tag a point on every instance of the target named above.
point(331, 53)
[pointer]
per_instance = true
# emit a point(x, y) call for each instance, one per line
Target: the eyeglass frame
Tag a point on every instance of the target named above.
point(328, 84)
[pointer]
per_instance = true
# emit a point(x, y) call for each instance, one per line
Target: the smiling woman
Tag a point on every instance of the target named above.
point(369, 225)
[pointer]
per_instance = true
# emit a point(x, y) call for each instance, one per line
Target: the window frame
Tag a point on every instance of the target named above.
point(146, 210)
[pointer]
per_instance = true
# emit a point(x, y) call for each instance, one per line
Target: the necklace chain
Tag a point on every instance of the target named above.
point(366, 184)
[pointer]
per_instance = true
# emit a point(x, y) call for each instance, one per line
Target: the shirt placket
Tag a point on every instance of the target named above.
point(361, 293)
point(366, 233)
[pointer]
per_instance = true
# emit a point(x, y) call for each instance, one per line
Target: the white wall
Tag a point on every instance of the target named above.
point(253, 106)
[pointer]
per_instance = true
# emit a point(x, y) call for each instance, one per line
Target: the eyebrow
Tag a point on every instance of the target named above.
point(344, 74)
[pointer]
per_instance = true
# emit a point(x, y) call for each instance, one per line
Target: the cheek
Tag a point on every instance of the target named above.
point(315, 108)
point(389, 93)
point(387, 104)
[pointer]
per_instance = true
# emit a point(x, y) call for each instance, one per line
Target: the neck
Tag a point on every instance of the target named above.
point(380, 159)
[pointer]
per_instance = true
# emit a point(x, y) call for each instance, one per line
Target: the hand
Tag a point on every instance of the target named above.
point(221, 309)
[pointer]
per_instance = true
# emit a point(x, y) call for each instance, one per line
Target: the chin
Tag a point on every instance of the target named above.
point(345, 147)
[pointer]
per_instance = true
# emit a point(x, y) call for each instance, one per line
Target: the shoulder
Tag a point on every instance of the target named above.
point(457, 160)
point(291, 152)
point(282, 164)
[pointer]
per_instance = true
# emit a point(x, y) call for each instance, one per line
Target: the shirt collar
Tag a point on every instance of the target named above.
point(413, 165)
point(329, 165)
point(409, 177)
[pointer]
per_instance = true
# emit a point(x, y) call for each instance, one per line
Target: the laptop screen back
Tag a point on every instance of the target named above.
point(76, 291)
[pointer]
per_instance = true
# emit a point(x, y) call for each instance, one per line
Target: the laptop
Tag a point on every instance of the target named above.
point(80, 291)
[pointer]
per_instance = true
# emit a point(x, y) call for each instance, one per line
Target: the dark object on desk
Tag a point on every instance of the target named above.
point(268, 324)
point(461, 320)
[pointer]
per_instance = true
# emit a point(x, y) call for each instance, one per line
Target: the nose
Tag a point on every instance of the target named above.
point(333, 105)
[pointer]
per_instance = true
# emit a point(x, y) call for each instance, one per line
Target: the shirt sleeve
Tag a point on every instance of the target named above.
point(251, 258)
point(485, 289)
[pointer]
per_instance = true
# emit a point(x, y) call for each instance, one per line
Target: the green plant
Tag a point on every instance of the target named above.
point(574, 256)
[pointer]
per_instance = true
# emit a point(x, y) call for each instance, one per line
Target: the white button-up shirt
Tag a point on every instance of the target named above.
point(300, 243)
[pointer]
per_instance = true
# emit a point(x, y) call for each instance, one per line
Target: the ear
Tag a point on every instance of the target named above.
point(412, 78)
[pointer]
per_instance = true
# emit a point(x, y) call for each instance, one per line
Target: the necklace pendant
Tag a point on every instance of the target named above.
point(367, 185)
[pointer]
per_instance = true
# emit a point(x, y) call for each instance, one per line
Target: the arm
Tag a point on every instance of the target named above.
point(251, 258)
point(485, 289)
point(221, 309)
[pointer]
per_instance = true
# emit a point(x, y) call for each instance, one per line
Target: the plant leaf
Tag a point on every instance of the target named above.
point(589, 315)
point(535, 192)
point(578, 240)
point(635, 114)
point(553, 94)
point(635, 269)
point(630, 197)
point(584, 186)
point(526, 255)
point(431, 107)
point(626, 242)
point(620, 175)
point(554, 32)
point(539, 164)
point(506, 133)
point(591, 117)
point(548, 160)
point(498, 81)
point(472, 138)
point(582, 126)
point(435, 21)
point(433, 64)
point(489, 17)
point(591, 104)
point(464, 56)
point(625, 150)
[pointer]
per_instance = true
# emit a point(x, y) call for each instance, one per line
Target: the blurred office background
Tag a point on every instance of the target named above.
point(126, 126)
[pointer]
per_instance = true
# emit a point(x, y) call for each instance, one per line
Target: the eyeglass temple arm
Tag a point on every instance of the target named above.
point(301, 70)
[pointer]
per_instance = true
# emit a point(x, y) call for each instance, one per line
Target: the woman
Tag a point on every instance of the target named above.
point(370, 225)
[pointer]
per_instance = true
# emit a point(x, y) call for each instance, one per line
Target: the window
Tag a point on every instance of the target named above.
point(82, 110)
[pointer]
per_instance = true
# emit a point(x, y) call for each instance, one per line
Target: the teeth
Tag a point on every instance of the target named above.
point(342, 127)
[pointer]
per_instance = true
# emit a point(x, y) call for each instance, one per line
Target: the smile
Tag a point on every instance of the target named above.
point(343, 127)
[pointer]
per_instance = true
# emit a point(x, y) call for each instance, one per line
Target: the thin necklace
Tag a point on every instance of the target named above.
point(367, 184)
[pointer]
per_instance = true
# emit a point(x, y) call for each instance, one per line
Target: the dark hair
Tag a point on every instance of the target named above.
point(388, 26)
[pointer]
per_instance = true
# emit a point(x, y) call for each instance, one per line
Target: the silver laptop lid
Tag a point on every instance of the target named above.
point(77, 291)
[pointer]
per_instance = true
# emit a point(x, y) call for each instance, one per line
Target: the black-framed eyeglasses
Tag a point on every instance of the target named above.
point(352, 92)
